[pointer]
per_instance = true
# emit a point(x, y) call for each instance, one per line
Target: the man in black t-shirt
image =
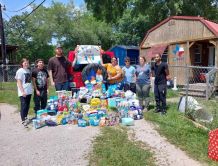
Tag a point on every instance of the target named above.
point(161, 73)
point(40, 84)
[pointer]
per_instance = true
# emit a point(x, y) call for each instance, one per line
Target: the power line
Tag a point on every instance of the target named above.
point(13, 24)
point(7, 15)
point(33, 10)
point(23, 7)
point(30, 14)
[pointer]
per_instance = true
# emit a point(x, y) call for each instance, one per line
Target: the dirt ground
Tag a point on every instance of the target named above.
point(60, 145)
point(165, 153)
point(70, 144)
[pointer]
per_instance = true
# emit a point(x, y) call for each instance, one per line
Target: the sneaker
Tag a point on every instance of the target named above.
point(27, 121)
point(163, 113)
point(24, 124)
point(157, 111)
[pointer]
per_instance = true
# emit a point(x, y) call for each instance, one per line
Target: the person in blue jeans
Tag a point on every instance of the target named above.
point(161, 73)
point(58, 70)
point(40, 83)
point(24, 88)
point(129, 82)
point(143, 72)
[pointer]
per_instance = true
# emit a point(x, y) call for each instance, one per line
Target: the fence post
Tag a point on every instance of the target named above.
point(187, 87)
point(207, 89)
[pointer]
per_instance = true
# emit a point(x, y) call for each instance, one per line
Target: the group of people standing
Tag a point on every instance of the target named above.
point(128, 78)
point(138, 79)
point(36, 81)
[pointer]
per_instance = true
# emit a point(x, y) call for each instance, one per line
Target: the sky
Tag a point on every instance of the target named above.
point(14, 5)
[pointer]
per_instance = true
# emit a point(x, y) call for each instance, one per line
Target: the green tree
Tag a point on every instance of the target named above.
point(108, 10)
point(61, 23)
point(134, 17)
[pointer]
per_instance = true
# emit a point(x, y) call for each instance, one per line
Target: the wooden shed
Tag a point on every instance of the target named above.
point(183, 40)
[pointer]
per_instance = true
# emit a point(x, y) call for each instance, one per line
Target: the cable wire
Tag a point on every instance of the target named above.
point(33, 10)
point(30, 14)
point(7, 15)
point(11, 26)
point(23, 7)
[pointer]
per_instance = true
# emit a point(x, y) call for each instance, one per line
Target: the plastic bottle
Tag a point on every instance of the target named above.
point(74, 95)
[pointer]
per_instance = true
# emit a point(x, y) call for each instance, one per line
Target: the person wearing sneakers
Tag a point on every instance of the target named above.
point(143, 72)
point(161, 73)
point(40, 84)
point(24, 88)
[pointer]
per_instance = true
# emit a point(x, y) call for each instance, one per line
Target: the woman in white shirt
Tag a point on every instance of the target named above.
point(24, 88)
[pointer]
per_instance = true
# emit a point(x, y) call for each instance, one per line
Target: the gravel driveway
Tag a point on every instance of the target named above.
point(165, 153)
point(70, 145)
point(60, 145)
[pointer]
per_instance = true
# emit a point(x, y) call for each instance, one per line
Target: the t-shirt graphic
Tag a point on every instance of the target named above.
point(41, 79)
point(27, 78)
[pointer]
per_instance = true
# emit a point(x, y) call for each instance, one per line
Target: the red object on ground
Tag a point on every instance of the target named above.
point(213, 145)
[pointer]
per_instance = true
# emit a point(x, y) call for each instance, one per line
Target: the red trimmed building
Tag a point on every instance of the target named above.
point(183, 40)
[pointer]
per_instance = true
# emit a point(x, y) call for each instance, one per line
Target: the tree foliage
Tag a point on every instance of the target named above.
point(107, 23)
point(108, 10)
point(137, 16)
point(65, 24)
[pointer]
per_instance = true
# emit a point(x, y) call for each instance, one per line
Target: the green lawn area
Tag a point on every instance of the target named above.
point(182, 132)
point(113, 148)
point(8, 94)
point(170, 94)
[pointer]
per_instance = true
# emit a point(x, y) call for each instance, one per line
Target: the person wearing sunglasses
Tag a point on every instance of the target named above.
point(129, 76)
point(143, 73)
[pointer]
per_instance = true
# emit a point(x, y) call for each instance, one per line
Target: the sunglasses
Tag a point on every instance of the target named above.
point(127, 61)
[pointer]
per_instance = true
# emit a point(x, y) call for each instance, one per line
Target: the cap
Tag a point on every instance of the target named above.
point(58, 46)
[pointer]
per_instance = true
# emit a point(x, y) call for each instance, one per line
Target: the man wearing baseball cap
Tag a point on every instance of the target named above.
point(57, 68)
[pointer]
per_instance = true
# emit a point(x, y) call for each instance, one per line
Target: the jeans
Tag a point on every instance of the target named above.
point(25, 105)
point(130, 86)
point(41, 100)
point(62, 86)
point(160, 92)
point(142, 91)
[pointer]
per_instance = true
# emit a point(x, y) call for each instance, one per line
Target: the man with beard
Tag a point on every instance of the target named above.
point(58, 70)
point(161, 73)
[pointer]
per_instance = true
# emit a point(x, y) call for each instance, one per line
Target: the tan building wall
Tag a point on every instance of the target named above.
point(174, 61)
point(177, 31)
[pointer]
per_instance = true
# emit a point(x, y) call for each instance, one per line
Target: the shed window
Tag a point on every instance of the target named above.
point(165, 56)
point(197, 52)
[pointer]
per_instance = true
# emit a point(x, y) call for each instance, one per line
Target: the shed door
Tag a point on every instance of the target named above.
point(211, 57)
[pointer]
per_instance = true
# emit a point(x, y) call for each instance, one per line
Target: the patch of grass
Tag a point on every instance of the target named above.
point(182, 132)
point(212, 107)
point(170, 94)
point(113, 148)
point(8, 94)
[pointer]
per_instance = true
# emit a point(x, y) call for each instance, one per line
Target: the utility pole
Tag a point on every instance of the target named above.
point(3, 47)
